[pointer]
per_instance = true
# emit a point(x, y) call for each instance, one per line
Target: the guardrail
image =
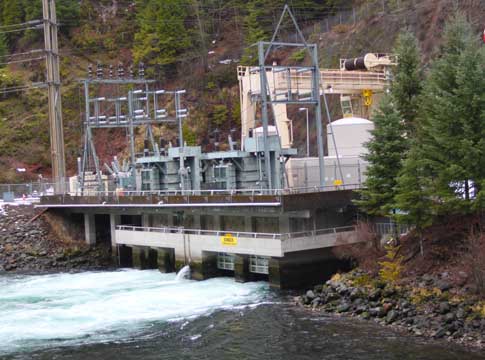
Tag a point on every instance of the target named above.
point(231, 192)
point(284, 236)
point(392, 228)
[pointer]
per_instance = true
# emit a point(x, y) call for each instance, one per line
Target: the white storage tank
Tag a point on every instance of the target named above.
point(350, 134)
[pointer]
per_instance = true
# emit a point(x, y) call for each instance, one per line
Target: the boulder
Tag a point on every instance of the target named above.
point(344, 307)
point(444, 307)
point(392, 316)
point(310, 295)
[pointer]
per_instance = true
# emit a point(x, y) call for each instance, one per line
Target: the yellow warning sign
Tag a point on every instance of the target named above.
point(337, 182)
point(228, 240)
point(367, 94)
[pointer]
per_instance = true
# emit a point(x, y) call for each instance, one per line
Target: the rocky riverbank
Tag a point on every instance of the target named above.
point(428, 306)
point(29, 244)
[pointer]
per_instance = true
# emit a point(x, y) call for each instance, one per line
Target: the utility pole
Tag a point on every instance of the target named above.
point(54, 88)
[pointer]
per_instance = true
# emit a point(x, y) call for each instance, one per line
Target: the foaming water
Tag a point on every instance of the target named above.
point(66, 309)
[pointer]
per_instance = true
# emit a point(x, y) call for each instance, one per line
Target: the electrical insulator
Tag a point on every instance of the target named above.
point(121, 71)
point(141, 70)
point(90, 71)
point(111, 71)
point(99, 70)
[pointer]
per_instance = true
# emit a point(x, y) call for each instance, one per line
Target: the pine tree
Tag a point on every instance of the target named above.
point(3, 48)
point(255, 30)
point(452, 120)
point(162, 36)
point(12, 13)
point(413, 193)
point(385, 153)
point(407, 83)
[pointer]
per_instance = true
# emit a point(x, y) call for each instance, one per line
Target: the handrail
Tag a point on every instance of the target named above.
point(282, 237)
point(229, 192)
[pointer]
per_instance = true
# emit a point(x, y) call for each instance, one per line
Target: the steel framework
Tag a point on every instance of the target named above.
point(313, 98)
point(139, 108)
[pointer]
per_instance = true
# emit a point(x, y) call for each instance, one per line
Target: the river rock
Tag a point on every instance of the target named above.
point(443, 285)
point(449, 317)
point(344, 307)
point(310, 295)
point(375, 295)
point(443, 307)
point(392, 316)
point(365, 315)
point(441, 332)
point(355, 294)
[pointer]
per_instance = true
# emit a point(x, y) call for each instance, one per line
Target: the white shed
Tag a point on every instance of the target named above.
point(350, 135)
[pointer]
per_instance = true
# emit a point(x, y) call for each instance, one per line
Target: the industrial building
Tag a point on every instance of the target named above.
point(259, 209)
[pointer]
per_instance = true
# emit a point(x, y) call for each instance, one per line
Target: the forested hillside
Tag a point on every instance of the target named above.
point(192, 44)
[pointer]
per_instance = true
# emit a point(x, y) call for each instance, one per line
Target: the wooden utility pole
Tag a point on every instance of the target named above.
point(54, 88)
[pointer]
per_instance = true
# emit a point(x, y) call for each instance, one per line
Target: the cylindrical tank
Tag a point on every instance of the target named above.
point(366, 62)
point(355, 64)
point(350, 136)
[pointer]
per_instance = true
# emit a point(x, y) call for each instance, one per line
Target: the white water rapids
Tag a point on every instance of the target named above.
point(52, 310)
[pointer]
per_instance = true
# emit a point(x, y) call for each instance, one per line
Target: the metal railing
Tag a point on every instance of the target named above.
point(391, 228)
point(248, 192)
point(237, 234)
point(314, 233)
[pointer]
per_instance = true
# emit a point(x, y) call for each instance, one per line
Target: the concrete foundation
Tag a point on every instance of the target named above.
point(89, 229)
point(241, 268)
point(125, 257)
point(144, 257)
point(205, 268)
point(165, 260)
point(304, 268)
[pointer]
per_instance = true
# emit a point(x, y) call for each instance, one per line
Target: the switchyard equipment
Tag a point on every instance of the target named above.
point(140, 108)
point(241, 211)
point(265, 159)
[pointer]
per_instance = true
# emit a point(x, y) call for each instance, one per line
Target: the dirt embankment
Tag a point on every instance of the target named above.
point(29, 244)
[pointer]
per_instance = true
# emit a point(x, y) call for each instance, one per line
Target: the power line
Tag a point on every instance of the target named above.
point(19, 30)
point(27, 23)
point(24, 53)
point(20, 89)
point(22, 61)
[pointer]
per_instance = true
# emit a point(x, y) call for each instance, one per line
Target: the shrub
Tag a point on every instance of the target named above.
point(391, 268)
point(298, 56)
point(473, 259)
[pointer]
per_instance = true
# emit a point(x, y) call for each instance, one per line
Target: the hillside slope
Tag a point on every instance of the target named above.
point(106, 33)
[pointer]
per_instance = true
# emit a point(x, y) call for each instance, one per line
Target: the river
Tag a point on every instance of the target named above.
point(132, 314)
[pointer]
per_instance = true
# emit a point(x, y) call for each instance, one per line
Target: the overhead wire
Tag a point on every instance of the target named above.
point(27, 23)
point(19, 30)
point(22, 61)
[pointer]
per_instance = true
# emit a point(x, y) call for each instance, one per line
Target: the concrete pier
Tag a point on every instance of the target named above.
point(241, 268)
point(89, 229)
point(165, 260)
point(285, 239)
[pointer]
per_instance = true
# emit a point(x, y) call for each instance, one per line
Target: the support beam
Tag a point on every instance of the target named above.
point(114, 220)
point(165, 260)
point(284, 224)
point(89, 229)
point(241, 268)
point(248, 224)
point(54, 91)
point(206, 268)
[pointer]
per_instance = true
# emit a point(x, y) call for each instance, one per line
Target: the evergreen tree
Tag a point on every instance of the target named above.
point(452, 120)
point(12, 13)
point(3, 48)
point(255, 30)
point(385, 153)
point(162, 36)
point(412, 194)
point(407, 84)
